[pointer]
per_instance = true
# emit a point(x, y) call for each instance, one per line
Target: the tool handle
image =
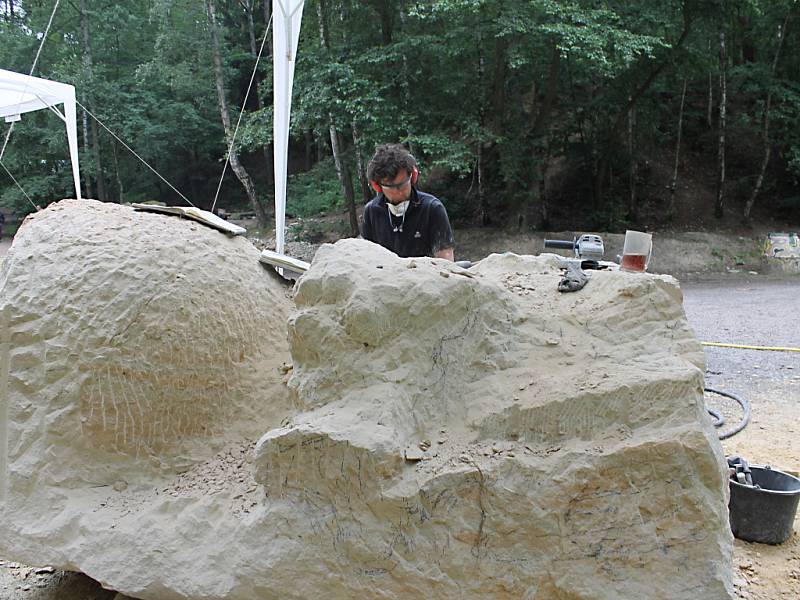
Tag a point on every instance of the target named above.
point(562, 244)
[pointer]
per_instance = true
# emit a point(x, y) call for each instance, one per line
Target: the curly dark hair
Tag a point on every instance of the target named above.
point(388, 161)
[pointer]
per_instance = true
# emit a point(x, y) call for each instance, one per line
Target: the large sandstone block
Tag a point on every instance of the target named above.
point(567, 450)
point(445, 433)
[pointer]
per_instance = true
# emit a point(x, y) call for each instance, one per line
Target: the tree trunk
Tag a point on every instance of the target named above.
point(537, 211)
point(342, 169)
point(710, 105)
point(238, 168)
point(87, 181)
point(544, 217)
point(674, 183)
point(765, 127)
point(267, 6)
point(542, 117)
point(406, 87)
point(100, 175)
point(344, 178)
point(366, 190)
point(710, 111)
point(321, 146)
point(387, 22)
point(88, 75)
point(748, 48)
point(478, 176)
point(485, 215)
point(540, 127)
point(499, 85)
point(719, 206)
point(603, 164)
point(249, 8)
point(323, 24)
point(308, 154)
point(120, 188)
point(633, 209)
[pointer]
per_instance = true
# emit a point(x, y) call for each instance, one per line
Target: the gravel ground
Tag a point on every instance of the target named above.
point(756, 312)
point(753, 313)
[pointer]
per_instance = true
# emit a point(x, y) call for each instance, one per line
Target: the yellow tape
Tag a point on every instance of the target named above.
point(743, 347)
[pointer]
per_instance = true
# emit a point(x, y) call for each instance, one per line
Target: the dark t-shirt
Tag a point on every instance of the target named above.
point(422, 231)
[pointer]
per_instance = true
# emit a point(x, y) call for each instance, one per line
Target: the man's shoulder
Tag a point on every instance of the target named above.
point(428, 200)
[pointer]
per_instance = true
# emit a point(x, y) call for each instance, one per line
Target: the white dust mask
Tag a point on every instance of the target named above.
point(398, 210)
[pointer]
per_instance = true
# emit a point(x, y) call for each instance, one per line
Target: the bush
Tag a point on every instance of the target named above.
point(314, 192)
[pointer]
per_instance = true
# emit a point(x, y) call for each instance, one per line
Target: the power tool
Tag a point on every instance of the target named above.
point(588, 250)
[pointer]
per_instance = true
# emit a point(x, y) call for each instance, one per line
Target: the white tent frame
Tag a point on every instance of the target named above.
point(21, 94)
point(287, 15)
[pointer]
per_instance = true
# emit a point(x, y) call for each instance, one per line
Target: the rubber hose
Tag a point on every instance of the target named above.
point(745, 408)
point(719, 420)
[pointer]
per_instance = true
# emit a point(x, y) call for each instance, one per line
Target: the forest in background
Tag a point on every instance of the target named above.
point(536, 114)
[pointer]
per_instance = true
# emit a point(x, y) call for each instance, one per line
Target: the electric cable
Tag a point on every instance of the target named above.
point(719, 421)
point(745, 347)
point(33, 68)
point(241, 114)
point(103, 125)
point(132, 151)
point(21, 189)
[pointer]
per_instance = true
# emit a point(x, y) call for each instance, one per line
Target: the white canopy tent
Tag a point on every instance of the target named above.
point(286, 18)
point(21, 94)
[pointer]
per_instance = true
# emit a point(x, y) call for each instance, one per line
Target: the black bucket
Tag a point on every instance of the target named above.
point(764, 515)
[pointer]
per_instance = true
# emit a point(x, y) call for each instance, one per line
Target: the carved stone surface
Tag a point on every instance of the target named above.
point(132, 343)
point(452, 433)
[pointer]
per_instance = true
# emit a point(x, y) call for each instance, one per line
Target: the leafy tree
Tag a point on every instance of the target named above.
point(524, 114)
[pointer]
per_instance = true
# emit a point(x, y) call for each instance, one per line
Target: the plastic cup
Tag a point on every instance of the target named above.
point(637, 251)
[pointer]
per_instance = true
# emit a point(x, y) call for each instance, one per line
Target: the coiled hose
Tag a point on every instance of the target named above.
point(719, 421)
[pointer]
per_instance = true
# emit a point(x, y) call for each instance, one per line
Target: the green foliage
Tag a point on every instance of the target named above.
point(314, 231)
point(613, 217)
point(502, 88)
point(438, 150)
point(314, 192)
point(599, 38)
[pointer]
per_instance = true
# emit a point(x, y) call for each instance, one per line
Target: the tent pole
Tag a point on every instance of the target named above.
point(288, 15)
point(72, 136)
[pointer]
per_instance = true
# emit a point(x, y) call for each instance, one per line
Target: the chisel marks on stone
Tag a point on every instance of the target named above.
point(139, 412)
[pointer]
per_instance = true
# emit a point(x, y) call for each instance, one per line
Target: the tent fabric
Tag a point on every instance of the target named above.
point(21, 94)
point(287, 15)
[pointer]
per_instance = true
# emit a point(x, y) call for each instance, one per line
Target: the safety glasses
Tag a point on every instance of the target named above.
point(395, 186)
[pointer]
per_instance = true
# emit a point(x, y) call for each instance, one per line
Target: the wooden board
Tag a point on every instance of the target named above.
point(196, 214)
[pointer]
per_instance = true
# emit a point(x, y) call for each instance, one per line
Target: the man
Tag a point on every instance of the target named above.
point(401, 218)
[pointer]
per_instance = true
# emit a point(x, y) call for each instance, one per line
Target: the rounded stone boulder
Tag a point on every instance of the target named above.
point(132, 341)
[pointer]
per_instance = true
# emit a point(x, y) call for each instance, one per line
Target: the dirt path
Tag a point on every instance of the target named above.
point(743, 310)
